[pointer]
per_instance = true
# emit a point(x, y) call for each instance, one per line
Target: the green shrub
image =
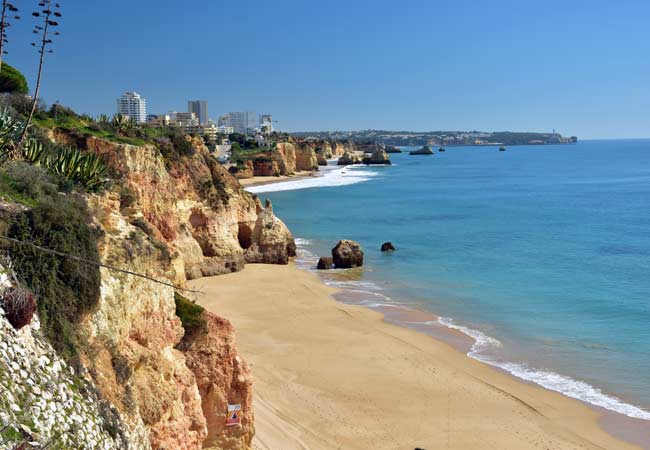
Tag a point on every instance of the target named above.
point(65, 288)
point(12, 81)
point(191, 315)
point(26, 184)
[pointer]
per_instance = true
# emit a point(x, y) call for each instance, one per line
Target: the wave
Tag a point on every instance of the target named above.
point(330, 178)
point(484, 346)
point(550, 380)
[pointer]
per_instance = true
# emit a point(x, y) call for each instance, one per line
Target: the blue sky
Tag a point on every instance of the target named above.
point(582, 67)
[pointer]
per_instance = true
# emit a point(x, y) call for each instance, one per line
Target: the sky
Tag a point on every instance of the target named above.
point(580, 67)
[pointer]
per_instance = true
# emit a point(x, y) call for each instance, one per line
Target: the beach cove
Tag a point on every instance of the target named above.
point(330, 375)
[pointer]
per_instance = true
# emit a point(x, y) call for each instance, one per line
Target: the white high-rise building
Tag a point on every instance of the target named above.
point(200, 108)
point(134, 106)
point(243, 122)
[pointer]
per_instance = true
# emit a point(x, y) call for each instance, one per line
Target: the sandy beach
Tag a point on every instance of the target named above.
point(258, 181)
point(334, 376)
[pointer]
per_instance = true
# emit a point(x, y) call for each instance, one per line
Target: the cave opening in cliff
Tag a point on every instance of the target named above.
point(245, 235)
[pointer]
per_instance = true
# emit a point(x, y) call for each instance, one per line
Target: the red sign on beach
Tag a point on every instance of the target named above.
point(234, 415)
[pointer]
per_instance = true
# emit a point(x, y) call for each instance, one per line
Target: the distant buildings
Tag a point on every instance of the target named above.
point(266, 124)
point(200, 108)
point(133, 105)
point(242, 122)
point(196, 120)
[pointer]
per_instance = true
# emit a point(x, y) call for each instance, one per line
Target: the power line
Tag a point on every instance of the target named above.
point(94, 263)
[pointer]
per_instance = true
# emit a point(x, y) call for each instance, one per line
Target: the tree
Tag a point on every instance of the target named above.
point(12, 81)
point(7, 9)
point(48, 16)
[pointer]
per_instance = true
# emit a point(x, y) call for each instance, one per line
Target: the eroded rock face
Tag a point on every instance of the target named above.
point(180, 220)
point(192, 206)
point(245, 170)
point(325, 263)
point(272, 242)
point(223, 378)
point(349, 158)
point(347, 254)
point(378, 156)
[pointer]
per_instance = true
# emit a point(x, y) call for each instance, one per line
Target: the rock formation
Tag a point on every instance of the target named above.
point(349, 158)
point(271, 241)
point(244, 170)
point(425, 150)
point(387, 247)
point(347, 254)
point(172, 220)
point(325, 263)
point(222, 378)
point(378, 156)
point(392, 149)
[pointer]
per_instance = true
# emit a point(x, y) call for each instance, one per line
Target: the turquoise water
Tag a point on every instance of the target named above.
point(541, 253)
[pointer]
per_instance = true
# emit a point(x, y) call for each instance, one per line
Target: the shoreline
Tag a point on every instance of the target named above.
point(263, 181)
point(260, 299)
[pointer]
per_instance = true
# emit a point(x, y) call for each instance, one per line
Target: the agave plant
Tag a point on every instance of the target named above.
point(35, 152)
point(83, 168)
point(123, 124)
point(10, 130)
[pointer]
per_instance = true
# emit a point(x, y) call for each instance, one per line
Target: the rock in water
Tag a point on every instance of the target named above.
point(426, 150)
point(378, 156)
point(325, 263)
point(347, 254)
point(387, 247)
point(349, 158)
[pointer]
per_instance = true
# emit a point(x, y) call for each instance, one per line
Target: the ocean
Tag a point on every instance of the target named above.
point(540, 254)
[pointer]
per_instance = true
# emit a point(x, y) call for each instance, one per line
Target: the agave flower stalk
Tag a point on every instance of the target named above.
point(48, 15)
point(7, 10)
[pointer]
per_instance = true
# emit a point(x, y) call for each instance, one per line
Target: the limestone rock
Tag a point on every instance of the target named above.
point(223, 378)
point(325, 263)
point(425, 150)
point(271, 241)
point(387, 247)
point(245, 170)
point(378, 156)
point(347, 254)
point(349, 158)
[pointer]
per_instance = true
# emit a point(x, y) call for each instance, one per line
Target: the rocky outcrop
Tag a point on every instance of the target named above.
point(306, 156)
point(172, 220)
point(264, 167)
point(349, 158)
point(222, 378)
point(325, 263)
point(387, 247)
point(244, 170)
point(347, 254)
point(392, 149)
point(193, 206)
point(378, 156)
point(271, 241)
point(425, 150)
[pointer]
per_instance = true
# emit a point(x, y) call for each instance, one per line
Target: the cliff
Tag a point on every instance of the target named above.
point(287, 158)
point(168, 383)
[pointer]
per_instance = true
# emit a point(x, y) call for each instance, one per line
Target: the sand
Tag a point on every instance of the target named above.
point(333, 376)
point(258, 181)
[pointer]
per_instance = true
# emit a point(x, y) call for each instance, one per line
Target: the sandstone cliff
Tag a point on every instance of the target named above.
point(171, 220)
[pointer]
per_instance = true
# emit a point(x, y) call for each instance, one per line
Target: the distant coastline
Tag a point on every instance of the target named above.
point(442, 138)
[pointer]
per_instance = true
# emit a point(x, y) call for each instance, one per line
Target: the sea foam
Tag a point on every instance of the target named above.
point(330, 177)
point(550, 380)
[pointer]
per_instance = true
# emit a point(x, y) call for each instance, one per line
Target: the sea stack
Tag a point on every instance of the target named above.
point(425, 150)
point(325, 263)
point(347, 254)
